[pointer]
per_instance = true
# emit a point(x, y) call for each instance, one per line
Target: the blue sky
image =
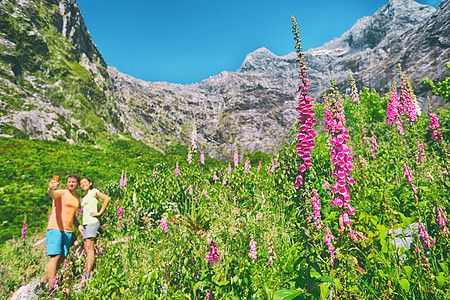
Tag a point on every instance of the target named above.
point(188, 41)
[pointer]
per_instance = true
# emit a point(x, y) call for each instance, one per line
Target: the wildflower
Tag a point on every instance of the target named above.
point(24, 229)
point(202, 156)
point(189, 158)
point(437, 135)
point(375, 146)
point(394, 110)
point(420, 153)
point(213, 255)
point(247, 166)
point(229, 168)
point(120, 213)
point(355, 95)
point(408, 175)
point(425, 236)
point(224, 182)
point(100, 250)
point(164, 226)
point(208, 296)
point(236, 158)
point(430, 177)
point(177, 170)
point(328, 239)
point(259, 166)
point(271, 255)
point(206, 194)
point(154, 175)
point(252, 244)
point(305, 120)
point(55, 281)
point(123, 181)
point(362, 160)
point(316, 210)
point(409, 101)
point(194, 138)
point(442, 220)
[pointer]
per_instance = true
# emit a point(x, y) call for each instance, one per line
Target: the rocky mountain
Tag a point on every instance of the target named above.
point(55, 85)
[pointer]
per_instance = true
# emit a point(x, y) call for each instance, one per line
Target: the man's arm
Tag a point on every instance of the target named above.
point(51, 189)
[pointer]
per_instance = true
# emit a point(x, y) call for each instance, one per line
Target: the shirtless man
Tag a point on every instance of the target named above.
point(59, 228)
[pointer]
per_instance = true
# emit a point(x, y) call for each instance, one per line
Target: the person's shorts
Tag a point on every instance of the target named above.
point(58, 242)
point(90, 230)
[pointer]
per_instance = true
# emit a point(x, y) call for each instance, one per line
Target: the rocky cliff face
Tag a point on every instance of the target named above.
point(55, 85)
point(53, 81)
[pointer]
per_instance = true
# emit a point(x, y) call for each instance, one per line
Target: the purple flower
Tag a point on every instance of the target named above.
point(229, 168)
point(247, 166)
point(437, 135)
point(154, 175)
point(123, 181)
point(189, 158)
point(202, 156)
point(252, 245)
point(177, 170)
point(427, 239)
point(271, 255)
point(394, 110)
point(119, 213)
point(24, 229)
point(213, 255)
point(328, 239)
point(408, 98)
point(164, 226)
point(355, 95)
point(259, 166)
point(236, 158)
point(408, 174)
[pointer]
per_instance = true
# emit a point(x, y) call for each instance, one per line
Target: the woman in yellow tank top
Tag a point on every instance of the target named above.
point(90, 223)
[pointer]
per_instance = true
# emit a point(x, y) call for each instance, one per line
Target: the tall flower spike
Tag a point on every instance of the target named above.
point(409, 100)
point(24, 229)
point(394, 110)
point(252, 245)
point(202, 156)
point(177, 170)
point(236, 158)
point(305, 120)
point(355, 95)
point(194, 138)
point(213, 255)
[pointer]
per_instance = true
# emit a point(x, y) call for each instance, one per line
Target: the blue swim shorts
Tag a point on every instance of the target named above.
point(58, 242)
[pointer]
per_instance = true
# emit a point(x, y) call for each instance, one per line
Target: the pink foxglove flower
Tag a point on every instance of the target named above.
point(355, 95)
point(119, 213)
point(420, 153)
point(271, 255)
point(442, 220)
point(189, 157)
point(437, 135)
point(252, 245)
point(123, 181)
point(408, 174)
point(259, 166)
point(306, 118)
point(427, 239)
point(100, 250)
point(229, 168)
point(329, 238)
point(206, 194)
point(154, 175)
point(202, 157)
point(24, 229)
point(394, 110)
point(247, 166)
point(177, 170)
point(213, 255)
point(236, 158)
point(409, 101)
point(164, 226)
point(208, 296)
point(316, 210)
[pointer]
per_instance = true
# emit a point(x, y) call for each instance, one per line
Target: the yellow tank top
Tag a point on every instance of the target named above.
point(89, 204)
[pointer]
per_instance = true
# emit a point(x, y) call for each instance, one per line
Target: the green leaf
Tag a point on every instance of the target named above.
point(404, 283)
point(325, 279)
point(440, 279)
point(197, 286)
point(287, 295)
point(324, 291)
point(408, 271)
point(444, 267)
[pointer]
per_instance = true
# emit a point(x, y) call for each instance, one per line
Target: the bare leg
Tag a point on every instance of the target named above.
point(90, 254)
point(52, 267)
